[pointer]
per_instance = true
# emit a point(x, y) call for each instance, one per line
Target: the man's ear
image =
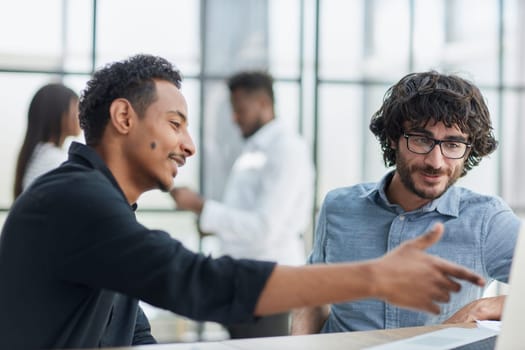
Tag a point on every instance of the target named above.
point(121, 115)
point(264, 100)
point(393, 144)
point(265, 104)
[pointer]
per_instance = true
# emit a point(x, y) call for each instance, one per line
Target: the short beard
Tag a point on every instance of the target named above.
point(257, 125)
point(405, 175)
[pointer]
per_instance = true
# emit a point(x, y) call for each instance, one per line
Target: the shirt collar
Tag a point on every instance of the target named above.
point(264, 134)
point(79, 153)
point(447, 204)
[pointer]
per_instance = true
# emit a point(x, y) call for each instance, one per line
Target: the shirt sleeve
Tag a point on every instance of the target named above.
point(287, 177)
point(318, 250)
point(501, 232)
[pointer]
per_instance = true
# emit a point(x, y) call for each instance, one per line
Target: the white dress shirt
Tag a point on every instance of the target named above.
point(46, 156)
point(268, 199)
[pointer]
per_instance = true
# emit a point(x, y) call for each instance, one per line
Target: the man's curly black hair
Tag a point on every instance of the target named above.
point(420, 98)
point(132, 79)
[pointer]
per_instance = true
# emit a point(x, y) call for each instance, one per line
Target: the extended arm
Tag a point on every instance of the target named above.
point(187, 199)
point(406, 276)
point(126, 257)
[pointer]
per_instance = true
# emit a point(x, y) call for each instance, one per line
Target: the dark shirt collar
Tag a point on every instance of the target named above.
point(85, 155)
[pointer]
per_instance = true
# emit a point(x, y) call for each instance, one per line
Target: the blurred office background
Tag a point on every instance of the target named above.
point(332, 61)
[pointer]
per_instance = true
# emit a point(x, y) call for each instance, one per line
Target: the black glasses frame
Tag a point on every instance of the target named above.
point(436, 142)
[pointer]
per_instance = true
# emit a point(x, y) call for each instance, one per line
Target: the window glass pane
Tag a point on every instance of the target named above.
point(511, 145)
point(287, 104)
point(463, 27)
point(429, 34)
point(340, 137)
point(514, 46)
point(341, 35)
point(386, 50)
point(78, 34)
point(76, 82)
point(448, 37)
point(236, 36)
point(284, 37)
point(364, 38)
point(31, 34)
point(172, 32)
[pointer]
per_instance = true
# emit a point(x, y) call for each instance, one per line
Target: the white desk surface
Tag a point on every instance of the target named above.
point(333, 341)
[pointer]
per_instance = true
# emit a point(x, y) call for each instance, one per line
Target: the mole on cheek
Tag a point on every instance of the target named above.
point(153, 145)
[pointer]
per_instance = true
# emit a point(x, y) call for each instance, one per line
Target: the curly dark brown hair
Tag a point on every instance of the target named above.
point(132, 79)
point(419, 98)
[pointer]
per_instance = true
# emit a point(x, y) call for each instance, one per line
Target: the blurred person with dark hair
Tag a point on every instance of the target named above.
point(433, 128)
point(268, 198)
point(52, 116)
point(74, 260)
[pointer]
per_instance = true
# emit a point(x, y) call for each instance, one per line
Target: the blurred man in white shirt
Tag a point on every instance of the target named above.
point(268, 199)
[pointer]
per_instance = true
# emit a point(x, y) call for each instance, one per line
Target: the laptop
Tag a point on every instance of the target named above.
point(510, 337)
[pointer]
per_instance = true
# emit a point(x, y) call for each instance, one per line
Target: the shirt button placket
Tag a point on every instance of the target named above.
point(394, 240)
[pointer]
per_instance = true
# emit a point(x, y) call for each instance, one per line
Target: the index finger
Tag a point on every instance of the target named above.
point(461, 273)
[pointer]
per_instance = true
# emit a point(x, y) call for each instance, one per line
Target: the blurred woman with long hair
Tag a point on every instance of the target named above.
point(52, 116)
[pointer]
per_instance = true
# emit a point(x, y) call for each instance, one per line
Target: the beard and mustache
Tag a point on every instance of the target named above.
point(405, 174)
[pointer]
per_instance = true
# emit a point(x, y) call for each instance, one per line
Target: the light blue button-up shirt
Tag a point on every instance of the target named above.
point(358, 223)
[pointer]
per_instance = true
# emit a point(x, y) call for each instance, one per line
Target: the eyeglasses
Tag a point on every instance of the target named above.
point(420, 144)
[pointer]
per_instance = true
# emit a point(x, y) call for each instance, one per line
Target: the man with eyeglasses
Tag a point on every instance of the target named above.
point(433, 128)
